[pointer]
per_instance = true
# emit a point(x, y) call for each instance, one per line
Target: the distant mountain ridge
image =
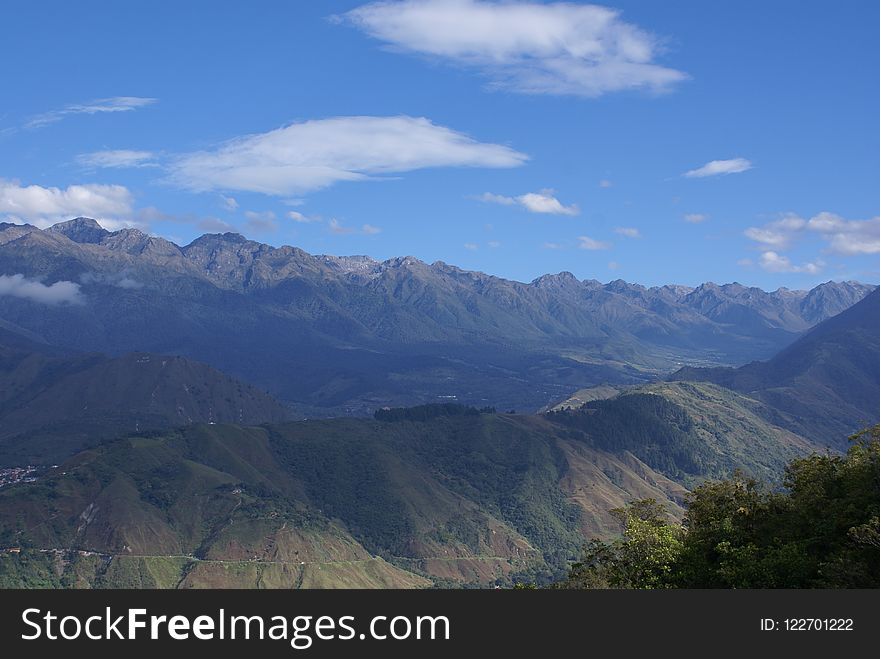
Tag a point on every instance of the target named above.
point(232, 261)
point(352, 333)
point(826, 384)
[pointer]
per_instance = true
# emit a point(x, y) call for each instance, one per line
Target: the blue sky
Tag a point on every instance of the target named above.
point(675, 142)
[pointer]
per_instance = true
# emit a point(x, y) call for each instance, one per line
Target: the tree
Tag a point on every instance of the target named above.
point(644, 557)
point(821, 531)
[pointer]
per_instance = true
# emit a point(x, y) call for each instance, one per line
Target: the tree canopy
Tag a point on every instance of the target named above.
point(821, 531)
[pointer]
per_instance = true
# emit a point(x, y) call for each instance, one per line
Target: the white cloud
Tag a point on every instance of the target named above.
point(99, 106)
point(129, 283)
point(534, 202)
point(720, 167)
point(613, 265)
point(337, 228)
point(773, 262)
point(112, 204)
point(366, 229)
point(848, 237)
point(777, 234)
point(527, 47)
point(628, 232)
point(229, 203)
point(491, 198)
point(60, 292)
point(296, 216)
point(260, 222)
point(845, 237)
point(471, 246)
point(605, 183)
point(493, 244)
point(585, 242)
point(695, 218)
point(544, 202)
point(120, 158)
point(315, 154)
point(552, 246)
point(119, 279)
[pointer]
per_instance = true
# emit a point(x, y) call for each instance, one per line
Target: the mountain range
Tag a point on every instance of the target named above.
point(338, 335)
point(168, 388)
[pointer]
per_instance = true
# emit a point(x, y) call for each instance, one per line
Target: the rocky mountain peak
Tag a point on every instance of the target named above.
point(558, 280)
point(81, 230)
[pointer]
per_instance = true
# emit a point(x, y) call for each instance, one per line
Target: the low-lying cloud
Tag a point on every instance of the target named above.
point(61, 292)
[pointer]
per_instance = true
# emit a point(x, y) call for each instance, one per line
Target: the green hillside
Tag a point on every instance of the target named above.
point(458, 497)
point(53, 406)
point(688, 431)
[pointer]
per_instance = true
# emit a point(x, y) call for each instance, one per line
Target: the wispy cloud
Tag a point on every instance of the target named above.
point(528, 47)
point(773, 262)
point(300, 218)
point(695, 218)
point(339, 229)
point(122, 279)
point(315, 154)
point(844, 237)
point(535, 202)
point(719, 168)
point(473, 247)
point(552, 246)
point(261, 222)
point(61, 292)
point(99, 106)
point(847, 237)
point(585, 242)
point(628, 232)
point(229, 203)
point(778, 234)
point(150, 215)
point(45, 206)
point(605, 183)
point(119, 158)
